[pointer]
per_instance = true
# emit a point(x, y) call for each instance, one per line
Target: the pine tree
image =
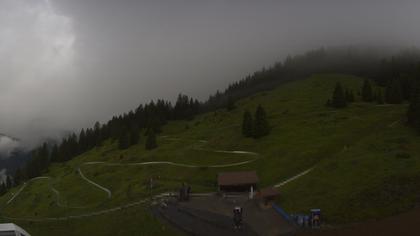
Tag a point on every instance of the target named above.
point(379, 97)
point(367, 94)
point(338, 99)
point(151, 140)
point(18, 176)
point(97, 134)
point(230, 103)
point(413, 112)
point(54, 154)
point(83, 146)
point(393, 92)
point(8, 182)
point(124, 140)
point(134, 135)
point(247, 124)
point(3, 189)
point(261, 126)
point(349, 96)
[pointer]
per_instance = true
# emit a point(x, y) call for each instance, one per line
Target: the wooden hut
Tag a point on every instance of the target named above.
point(241, 181)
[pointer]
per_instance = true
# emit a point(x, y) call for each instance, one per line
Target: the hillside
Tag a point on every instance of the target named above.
point(365, 165)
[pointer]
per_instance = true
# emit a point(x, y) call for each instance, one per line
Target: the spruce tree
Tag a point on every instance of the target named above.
point(124, 140)
point(261, 126)
point(134, 135)
point(8, 182)
point(54, 157)
point(379, 97)
point(18, 176)
point(367, 94)
point(393, 92)
point(151, 140)
point(230, 103)
point(349, 96)
point(413, 112)
point(82, 141)
point(338, 99)
point(247, 124)
point(3, 189)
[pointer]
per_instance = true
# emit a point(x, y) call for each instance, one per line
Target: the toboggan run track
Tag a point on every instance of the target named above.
point(109, 193)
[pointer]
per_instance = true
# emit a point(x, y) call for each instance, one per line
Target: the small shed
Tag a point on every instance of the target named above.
point(240, 181)
point(268, 194)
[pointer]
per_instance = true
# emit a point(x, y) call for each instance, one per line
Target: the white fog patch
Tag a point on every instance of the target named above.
point(36, 65)
point(38, 41)
point(7, 145)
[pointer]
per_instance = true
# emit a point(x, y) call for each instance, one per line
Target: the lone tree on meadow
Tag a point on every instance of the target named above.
point(247, 124)
point(367, 93)
point(261, 126)
point(151, 140)
point(338, 99)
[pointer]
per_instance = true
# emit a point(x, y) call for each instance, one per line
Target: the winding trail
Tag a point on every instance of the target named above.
point(109, 192)
point(93, 183)
point(23, 187)
point(142, 201)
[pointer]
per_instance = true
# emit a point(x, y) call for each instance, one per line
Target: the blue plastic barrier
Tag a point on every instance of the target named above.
point(283, 213)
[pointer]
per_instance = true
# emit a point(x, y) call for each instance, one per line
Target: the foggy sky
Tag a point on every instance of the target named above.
point(66, 63)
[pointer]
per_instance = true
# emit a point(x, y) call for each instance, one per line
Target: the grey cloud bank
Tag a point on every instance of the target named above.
point(67, 63)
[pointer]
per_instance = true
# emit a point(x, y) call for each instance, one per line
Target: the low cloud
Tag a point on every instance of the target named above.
point(7, 145)
point(66, 63)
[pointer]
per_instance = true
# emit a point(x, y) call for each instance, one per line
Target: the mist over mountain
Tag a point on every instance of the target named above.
point(65, 64)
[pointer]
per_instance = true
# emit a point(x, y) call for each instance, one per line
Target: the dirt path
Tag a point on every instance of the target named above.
point(293, 178)
point(23, 187)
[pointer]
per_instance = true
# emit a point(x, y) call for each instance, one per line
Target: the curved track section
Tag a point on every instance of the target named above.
point(108, 191)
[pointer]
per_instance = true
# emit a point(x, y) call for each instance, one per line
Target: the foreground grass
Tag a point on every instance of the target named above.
point(366, 163)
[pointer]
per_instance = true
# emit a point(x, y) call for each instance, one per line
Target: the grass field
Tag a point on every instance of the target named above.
point(366, 164)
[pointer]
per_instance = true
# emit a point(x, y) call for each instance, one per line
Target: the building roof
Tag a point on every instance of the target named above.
point(269, 192)
point(237, 178)
point(12, 227)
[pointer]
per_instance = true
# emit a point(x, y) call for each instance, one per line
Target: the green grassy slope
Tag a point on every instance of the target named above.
point(366, 164)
